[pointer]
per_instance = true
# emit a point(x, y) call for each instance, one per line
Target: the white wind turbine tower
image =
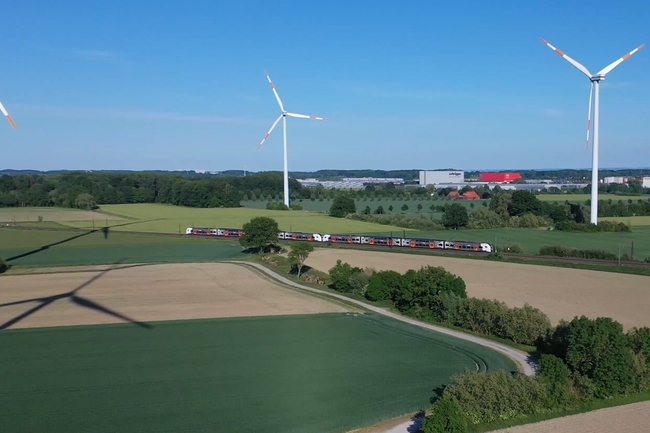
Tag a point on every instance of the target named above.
point(283, 116)
point(594, 92)
point(2, 108)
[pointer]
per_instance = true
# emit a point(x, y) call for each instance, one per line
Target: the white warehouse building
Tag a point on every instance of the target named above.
point(646, 182)
point(434, 177)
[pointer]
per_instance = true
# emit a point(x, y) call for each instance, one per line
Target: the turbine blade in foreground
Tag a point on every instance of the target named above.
point(609, 68)
point(2, 108)
point(568, 59)
point(304, 116)
point(269, 133)
point(274, 91)
point(591, 94)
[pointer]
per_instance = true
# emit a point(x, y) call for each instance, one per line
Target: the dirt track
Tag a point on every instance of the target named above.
point(561, 293)
point(150, 293)
point(631, 418)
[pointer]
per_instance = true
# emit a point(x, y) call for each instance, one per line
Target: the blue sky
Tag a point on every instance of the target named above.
point(164, 84)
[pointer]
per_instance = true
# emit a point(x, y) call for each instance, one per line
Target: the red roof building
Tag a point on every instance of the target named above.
point(470, 195)
point(498, 177)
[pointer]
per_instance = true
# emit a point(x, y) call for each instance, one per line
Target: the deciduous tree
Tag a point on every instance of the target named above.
point(298, 254)
point(260, 233)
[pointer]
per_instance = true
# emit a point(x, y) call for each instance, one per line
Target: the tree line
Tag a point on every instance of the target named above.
point(87, 190)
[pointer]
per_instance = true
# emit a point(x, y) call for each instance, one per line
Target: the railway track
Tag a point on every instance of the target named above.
point(531, 257)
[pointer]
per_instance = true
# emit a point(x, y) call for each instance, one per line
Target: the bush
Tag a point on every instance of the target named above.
point(514, 249)
point(274, 205)
point(560, 251)
point(602, 226)
point(296, 206)
point(447, 417)
point(489, 397)
point(382, 285)
point(340, 275)
point(342, 206)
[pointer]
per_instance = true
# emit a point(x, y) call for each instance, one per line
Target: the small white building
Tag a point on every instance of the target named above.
point(646, 182)
point(613, 179)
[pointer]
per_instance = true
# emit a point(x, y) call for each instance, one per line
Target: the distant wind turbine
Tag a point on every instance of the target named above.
point(594, 95)
point(2, 108)
point(283, 116)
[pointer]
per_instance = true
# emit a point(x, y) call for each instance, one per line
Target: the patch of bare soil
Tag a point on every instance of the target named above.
point(142, 294)
point(561, 293)
point(630, 418)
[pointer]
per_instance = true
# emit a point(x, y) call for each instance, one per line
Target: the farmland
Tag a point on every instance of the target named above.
point(560, 293)
point(240, 374)
point(175, 219)
point(51, 214)
point(56, 248)
point(581, 198)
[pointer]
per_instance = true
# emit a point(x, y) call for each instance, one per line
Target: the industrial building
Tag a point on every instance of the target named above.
point(436, 177)
point(646, 182)
point(498, 177)
point(617, 179)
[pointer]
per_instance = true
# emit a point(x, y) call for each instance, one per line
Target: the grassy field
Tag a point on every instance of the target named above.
point(531, 240)
point(236, 375)
point(51, 214)
point(53, 248)
point(581, 198)
point(323, 206)
point(634, 221)
point(172, 219)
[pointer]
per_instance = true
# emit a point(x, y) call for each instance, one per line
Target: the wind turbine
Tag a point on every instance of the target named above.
point(283, 116)
point(594, 95)
point(2, 108)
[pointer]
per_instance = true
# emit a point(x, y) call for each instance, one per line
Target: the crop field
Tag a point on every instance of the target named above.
point(385, 203)
point(531, 240)
point(581, 198)
point(634, 221)
point(54, 248)
point(175, 219)
point(630, 418)
point(561, 293)
point(52, 214)
point(329, 371)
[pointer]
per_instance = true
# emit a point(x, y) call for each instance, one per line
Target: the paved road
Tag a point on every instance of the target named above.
point(526, 363)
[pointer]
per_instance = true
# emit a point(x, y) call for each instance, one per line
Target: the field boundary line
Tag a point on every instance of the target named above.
point(523, 360)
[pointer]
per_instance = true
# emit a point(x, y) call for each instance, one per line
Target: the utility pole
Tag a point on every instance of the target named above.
point(619, 254)
point(632, 251)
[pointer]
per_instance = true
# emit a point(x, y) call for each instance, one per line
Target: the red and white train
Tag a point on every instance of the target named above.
point(370, 240)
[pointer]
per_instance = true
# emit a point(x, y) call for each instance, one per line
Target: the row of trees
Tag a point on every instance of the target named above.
point(84, 189)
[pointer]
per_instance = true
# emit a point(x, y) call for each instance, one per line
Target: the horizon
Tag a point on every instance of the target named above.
point(89, 85)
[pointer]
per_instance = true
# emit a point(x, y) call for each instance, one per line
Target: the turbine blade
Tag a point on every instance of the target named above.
point(269, 133)
point(274, 91)
point(591, 94)
point(609, 68)
point(304, 116)
point(568, 59)
point(2, 108)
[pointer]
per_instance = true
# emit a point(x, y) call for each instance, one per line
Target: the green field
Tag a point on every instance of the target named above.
point(531, 240)
point(175, 219)
point(324, 206)
point(54, 248)
point(314, 373)
point(581, 198)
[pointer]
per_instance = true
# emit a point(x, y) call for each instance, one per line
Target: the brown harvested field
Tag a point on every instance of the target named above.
point(150, 293)
point(561, 293)
point(27, 214)
point(631, 418)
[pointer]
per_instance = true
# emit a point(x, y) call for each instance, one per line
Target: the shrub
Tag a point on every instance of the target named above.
point(382, 285)
point(340, 275)
point(515, 249)
point(342, 206)
point(560, 251)
point(274, 205)
point(447, 417)
point(496, 396)
point(358, 282)
point(296, 206)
